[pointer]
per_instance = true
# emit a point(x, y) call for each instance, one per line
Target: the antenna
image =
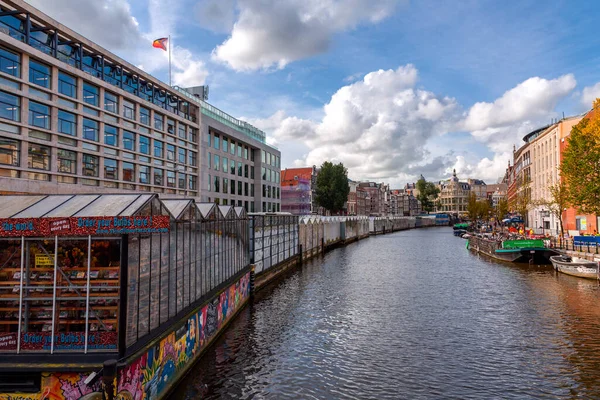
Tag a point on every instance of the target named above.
point(563, 115)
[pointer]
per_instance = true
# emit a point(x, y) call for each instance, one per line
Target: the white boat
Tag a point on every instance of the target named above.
point(575, 266)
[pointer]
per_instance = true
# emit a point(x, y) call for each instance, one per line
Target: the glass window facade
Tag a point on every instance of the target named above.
point(10, 106)
point(170, 152)
point(38, 157)
point(90, 165)
point(128, 172)
point(128, 109)
point(91, 94)
point(144, 145)
point(9, 152)
point(111, 102)
point(67, 85)
point(10, 63)
point(158, 177)
point(129, 140)
point(158, 149)
point(39, 115)
point(67, 123)
point(110, 169)
point(144, 173)
point(111, 135)
point(90, 129)
point(39, 74)
point(144, 116)
point(67, 161)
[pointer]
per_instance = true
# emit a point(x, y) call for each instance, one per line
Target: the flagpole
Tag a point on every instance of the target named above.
point(170, 60)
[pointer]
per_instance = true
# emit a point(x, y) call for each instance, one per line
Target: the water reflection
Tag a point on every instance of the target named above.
point(409, 315)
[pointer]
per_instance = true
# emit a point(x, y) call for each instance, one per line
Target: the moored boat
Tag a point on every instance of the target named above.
point(575, 266)
point(521, 250)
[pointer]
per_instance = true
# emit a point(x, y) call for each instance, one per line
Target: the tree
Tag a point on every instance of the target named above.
point(332, 187)
point(558, 202)
point(472, 207)
point(580, 166)
point(483, 209)
point(501, 209)
point(523, 202)
point(428, 192)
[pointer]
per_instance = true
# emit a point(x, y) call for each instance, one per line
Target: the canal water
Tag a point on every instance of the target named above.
point(409, 315)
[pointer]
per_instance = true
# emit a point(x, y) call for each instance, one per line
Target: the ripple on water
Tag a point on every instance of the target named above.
point(409, 315)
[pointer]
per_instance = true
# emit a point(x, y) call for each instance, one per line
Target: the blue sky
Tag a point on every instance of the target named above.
point(391, 88)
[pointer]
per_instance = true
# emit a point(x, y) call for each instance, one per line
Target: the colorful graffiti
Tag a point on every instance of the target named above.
point(60, 386)
point(151, 374)
point(148, 377)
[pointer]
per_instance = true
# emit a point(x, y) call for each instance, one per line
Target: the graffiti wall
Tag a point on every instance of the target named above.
point(59, 386)
point(160, 367)
point(153, 373)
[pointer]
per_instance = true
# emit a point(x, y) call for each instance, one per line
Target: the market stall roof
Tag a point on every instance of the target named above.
point(79, 205)
point(240, 212)
point(176, 207)
point(227, 212)
point(205, 209)
point(11, 205)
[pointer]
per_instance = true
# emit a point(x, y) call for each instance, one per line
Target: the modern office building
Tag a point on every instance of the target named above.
point(75, 118)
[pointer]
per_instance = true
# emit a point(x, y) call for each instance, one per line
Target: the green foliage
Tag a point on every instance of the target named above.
point(501, 209)
point(559, 200)
point(428, 192)
point(472, 207)
point(580, 167)
point(477, 209)
point(332, 186)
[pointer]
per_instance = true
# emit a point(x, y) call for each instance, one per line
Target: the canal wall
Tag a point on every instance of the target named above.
point(280, 242)
point(151, 373)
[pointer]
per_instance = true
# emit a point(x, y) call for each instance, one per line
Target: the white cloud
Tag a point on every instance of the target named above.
point(124, 32)
point(114, 27)
point(533, 98)
point(378, 127)
point(486, 169)
point(501, 125)
point(216, 15)
point(589, 94)
point(273, 33)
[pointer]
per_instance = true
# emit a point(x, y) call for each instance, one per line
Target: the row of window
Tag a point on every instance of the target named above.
point(248, 206)
point(270, 175)
point(39, 158)
point(224, 185)
point(270, 159)
point(40, 116)
point(229, 166)
point(267, 206)
point(270, 192)
point(228, 145)
point(41, 75)
point(10, 62)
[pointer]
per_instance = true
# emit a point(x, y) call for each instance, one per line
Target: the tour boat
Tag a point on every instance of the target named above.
point(575, 266)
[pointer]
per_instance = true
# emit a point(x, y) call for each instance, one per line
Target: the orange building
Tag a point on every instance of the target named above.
point(572, 219)
point(297, 190)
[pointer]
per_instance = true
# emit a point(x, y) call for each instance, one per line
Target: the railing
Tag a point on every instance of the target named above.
point(581, 244)
point(225, 118)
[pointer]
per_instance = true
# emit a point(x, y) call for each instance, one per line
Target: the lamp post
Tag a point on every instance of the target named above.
point(543, 212)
